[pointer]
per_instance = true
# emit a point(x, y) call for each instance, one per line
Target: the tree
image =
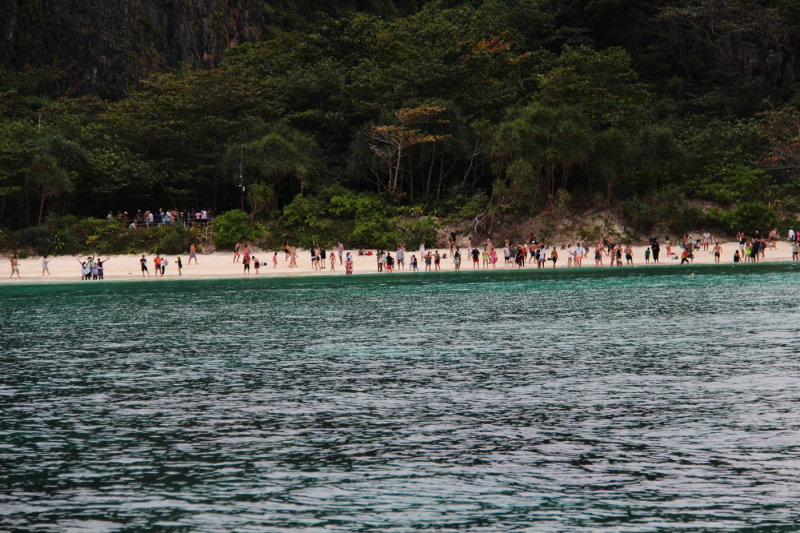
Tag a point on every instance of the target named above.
point(391, 140)
point(47, 180)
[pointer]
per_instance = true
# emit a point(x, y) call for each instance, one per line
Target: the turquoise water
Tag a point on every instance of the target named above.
point(640, 400)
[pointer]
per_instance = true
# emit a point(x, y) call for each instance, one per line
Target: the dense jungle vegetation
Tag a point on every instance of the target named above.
point(369, 125)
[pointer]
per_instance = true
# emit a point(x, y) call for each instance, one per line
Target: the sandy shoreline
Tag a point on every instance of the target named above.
point(221, 265)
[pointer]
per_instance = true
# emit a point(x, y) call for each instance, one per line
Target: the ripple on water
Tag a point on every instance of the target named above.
point(550, 401)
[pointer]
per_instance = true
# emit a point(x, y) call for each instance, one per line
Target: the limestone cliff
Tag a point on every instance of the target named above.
point(105, 46)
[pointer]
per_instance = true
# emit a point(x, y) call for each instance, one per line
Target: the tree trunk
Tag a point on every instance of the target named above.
point(41, 209)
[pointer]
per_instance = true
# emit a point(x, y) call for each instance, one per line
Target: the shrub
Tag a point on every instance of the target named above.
point(235, 226)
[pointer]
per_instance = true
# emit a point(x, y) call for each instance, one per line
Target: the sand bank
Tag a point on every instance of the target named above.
point(221, 265)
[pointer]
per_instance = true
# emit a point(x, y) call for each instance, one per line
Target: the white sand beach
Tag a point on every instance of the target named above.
point(221, 265)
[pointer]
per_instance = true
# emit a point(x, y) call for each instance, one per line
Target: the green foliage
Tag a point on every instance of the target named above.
point(235, 226)
point(747, 217)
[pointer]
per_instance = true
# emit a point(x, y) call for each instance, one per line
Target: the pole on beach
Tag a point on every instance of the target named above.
point(241, 175)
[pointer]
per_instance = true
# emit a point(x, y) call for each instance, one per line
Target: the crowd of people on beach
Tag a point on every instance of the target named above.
point(532, 251)
point(151, 219)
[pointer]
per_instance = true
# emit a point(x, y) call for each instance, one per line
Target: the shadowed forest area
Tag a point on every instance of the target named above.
point(375, 122)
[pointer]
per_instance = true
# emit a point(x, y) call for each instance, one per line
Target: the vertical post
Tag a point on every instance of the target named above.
point(241, 175)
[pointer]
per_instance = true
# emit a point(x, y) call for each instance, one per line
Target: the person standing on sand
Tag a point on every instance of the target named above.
point(598, 255)
point(669, 248)
point(45, 268)
point(14, 260)
point(706, 240)
point(647, 256)
point(256, 264)
point(193, 253)
point(100, 264)
point(485, 257)
point(795, 250)
point(493, 257)
point(656, 249)
point(157, 263)
point(717, 252)
point(628, 255)
point(180, 264)
point(275, 261)
point(618, 254)
point(236, 252)
point(476, 254)
point(323, 255)
point(143, 263)
point(293, 257)
point(579, 251)
point(333, 261)
point(287, 249)
point(457, 259)
point(437, 261)
point(246, 263)
point(554, 256)
point(341, 252)
point(400, 255)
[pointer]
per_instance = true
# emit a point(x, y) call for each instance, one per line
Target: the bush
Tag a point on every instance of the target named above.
point(37, 237)
point(417, 231)
point(235, 226)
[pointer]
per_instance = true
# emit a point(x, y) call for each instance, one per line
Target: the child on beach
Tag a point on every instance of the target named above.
point(45, 268)
point(647, 256)
point(414, 266)
point(333, 262)
point(275, 261)
point(179, 263)
point(256, 264)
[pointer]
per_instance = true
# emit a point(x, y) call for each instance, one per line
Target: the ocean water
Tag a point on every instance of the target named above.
point(634, 399)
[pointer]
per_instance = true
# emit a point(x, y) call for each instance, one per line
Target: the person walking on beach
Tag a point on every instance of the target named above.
point(717, 252)
point(684, 258)
point(14, 260)
point(193, 254)
point(293, 257)
point(143, 263)
point(45, 267)
point(236, 252)
point(180, 264)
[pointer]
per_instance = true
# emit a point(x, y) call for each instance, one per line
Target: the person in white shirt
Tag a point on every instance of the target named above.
point(791, 235)
point(400, 256)
point(706, 241)
point(578, 255)
point(45, 268)
point(570, 253)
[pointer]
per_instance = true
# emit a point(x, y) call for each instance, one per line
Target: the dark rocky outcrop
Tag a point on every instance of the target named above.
point(105, 46)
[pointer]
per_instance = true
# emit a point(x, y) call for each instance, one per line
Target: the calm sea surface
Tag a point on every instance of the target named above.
point(639, 399)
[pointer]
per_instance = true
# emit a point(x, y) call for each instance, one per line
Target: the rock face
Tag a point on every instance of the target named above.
point(105, 46)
